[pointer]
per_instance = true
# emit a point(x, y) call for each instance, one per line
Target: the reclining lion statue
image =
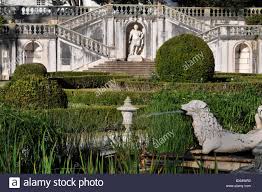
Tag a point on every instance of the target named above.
point(211, 135)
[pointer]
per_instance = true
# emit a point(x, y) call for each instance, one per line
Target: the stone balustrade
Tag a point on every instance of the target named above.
point(44, 10)
point(36, 29)
point(86, 18)
point(252, 11)
point(192, 22)
point(137, 10)
point(218, 12)
point(4, 30)
point(242, 31)
point(232, 31)
point(41, 30)
point(85, 42)
point(215, 12)
point(211, 35)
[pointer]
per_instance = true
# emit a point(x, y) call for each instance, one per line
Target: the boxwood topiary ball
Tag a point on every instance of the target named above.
point(35, 92)
point(185, 58)
point(37, 69)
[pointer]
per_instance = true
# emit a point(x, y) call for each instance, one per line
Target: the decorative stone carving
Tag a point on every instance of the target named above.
point(211, 135)
point(127, 111)
point(136, 44)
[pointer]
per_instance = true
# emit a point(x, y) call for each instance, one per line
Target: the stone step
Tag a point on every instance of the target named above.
point(123, 68)
point(131, 68)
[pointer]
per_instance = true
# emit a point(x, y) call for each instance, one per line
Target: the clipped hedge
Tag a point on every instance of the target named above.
point(74, 73)
point(34, 92)
point(216, 87)
point(185, 58)
point(86, 81)
point(139, 85)
point(108, 98)
point(24, 70)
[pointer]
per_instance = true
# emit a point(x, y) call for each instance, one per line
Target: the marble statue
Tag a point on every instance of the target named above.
point(136, 43)
point(212, 137)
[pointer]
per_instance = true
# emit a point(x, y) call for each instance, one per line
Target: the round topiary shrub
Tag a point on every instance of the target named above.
point(35, 92)
point(185, 58)
point(37, 69)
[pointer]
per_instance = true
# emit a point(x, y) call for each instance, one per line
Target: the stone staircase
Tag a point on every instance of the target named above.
point(67, 32)
point(145, 68)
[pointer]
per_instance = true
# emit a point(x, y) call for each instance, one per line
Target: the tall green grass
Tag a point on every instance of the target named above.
point(234, 111)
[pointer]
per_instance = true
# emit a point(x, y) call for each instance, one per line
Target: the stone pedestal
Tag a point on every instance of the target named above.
point(135, 58)
point(256, 168)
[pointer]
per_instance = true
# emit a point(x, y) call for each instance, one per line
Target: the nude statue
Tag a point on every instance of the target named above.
point(136, 41)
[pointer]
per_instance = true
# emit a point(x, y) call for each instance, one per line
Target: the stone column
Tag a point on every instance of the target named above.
point(110, 32)
point(161, 31)
point(13, 56)
point(154, 39)
point(52, 55)
point(259, 61)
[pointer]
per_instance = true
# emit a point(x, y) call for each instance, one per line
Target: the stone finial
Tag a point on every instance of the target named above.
point(127, 111)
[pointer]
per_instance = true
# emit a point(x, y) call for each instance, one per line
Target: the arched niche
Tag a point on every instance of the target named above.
point(243, 58)
point(129, 28)
point(33, 52)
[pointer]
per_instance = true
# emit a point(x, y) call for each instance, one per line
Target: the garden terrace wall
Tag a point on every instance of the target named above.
point(86, 81)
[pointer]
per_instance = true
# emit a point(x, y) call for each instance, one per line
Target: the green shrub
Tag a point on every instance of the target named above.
point(34, 92)
point(108, 98)
point(29, 69)
point(87, 81)
point(254, 20)
point(185, 58)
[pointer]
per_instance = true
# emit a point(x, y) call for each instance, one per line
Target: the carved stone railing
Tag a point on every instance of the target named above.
point(36, 29)
point(44, 10)
point(232, 31)
point(85, 42)
point(86, 18)
point(208, 11)
point(218, 12)
point(214, 12)
point(136, 10)
point(241, 31)
point(5, 30)
point(192, 22)
point(252, 11)
point(159, 10)
point(26, 29)
point(211, 34)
